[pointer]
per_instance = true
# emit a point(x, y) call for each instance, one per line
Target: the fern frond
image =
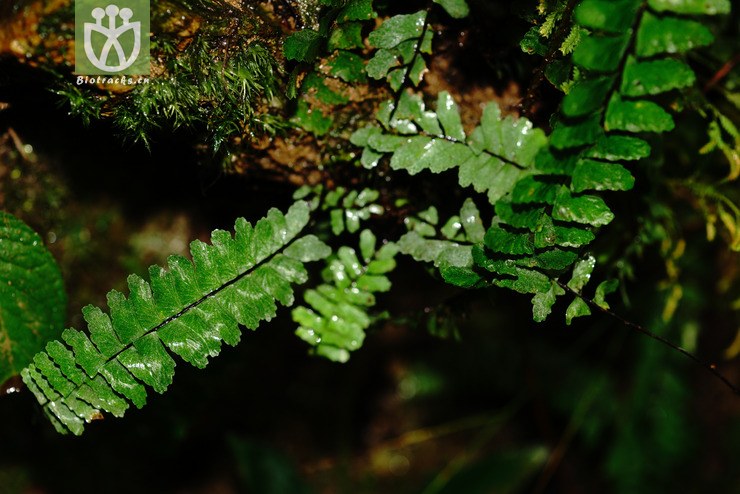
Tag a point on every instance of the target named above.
point(336, 317)
point(449, 247)
point(629, 55)
point(187, 309)
point(400, 41)
point(347, 209)
point(497, 153)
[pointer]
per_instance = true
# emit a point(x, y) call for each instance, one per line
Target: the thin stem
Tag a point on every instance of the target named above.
point(712, 368)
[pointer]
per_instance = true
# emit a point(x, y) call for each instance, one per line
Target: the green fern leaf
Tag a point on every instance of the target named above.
point(619, 148)
point(449, 248)
point(655, 76)
point(455, 8)
point(187, 309)
point(637, 116)
point(607, 15)
point(400, 41)
point(548, 213)
point(708, 7)
point(356, 10)
point(497, 153)
point(336, 316)
point(348, 209)
point(303, 46)
point(658, 35)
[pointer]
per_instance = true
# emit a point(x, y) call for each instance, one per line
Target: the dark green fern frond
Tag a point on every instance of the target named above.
point(629, 55)
point(187, 309)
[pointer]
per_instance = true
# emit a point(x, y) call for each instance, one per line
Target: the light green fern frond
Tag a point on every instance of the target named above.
point(336, 317)
point(187, 309)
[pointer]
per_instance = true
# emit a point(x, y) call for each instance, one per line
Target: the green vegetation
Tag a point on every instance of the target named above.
point(597, 194)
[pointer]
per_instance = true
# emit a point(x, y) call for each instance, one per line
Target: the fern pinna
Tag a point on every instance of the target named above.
point(187, 309)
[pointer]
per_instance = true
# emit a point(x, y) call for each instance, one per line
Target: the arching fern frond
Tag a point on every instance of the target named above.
point(187, 309)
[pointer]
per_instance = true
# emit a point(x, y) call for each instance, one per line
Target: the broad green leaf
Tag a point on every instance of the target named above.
point(370, 158)
point(668, 34)
point(462, 277)
point(397, 29)
point(416, 74)
point(308, 249)
point(525, 281)
point(315, 84)
point(528, 218)
point(655, 76)
point(311, 119)
point(572, 237)
point(533, 190)
point(453, 258)
point(420, 248)
point(600, 53)
point(637, 116)
point(619, 148)
point(708, 7)
point(614, 16)
point(598, 175)
point(33, 302)
point(552, 162)
point(361, 136)
point(387, 143)
point(489, 174)
point(551, 260)
point(302, 46)
point(456, 8)
point(586, 96)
